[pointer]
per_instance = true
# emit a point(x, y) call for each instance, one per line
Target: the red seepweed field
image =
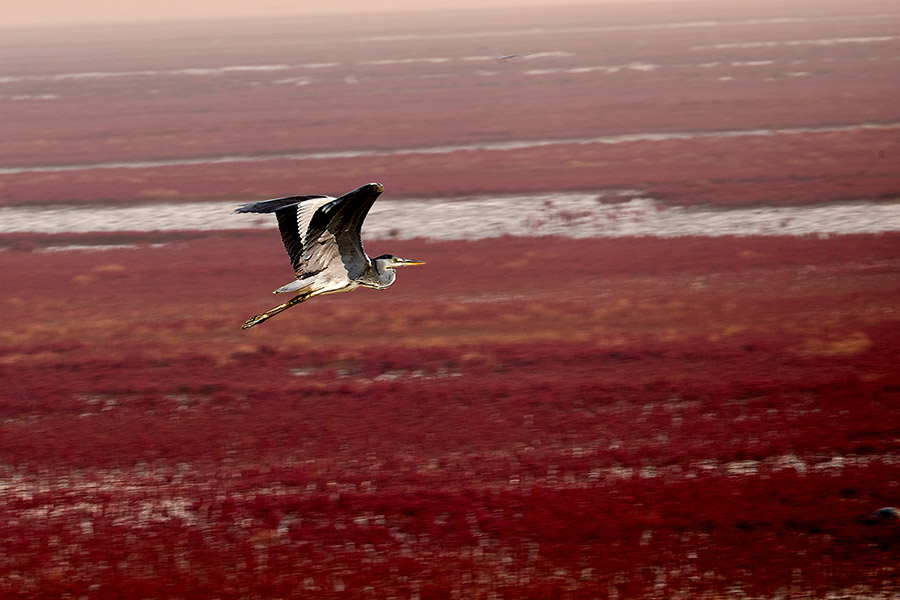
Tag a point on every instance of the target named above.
point(520, 418)
point(400, 92)
point(719, 422)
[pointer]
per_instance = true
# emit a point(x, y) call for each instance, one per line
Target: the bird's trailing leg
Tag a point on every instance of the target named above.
point(274, 311)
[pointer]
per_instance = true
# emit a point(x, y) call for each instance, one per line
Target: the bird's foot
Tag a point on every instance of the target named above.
point(255, 320)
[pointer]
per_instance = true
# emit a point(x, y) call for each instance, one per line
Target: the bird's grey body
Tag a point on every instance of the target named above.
point(322, 236)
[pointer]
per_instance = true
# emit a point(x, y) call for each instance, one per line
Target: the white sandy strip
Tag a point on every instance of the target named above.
point(648, 67)
point(625, 28)
point(624, 138)
point(579, 215)
point(190, 71)
point(269, 68)
point(608, 69)
point(815, 42)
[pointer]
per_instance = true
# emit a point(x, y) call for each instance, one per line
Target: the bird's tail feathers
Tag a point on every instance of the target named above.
point(294, 286)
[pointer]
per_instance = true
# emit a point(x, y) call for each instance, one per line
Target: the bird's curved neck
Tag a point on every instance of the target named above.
point(380, 276)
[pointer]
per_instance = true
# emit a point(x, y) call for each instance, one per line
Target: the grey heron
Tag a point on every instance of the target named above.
point(322, 236)
point(512, 56)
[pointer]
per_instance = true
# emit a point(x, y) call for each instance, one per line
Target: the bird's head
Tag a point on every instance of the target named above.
point(389, 261)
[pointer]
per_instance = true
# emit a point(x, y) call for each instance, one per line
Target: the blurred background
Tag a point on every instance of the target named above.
point(653, 351)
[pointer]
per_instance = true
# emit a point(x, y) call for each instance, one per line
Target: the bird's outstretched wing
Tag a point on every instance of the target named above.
point(319, 231)
point(342, 219)
point(294, 214)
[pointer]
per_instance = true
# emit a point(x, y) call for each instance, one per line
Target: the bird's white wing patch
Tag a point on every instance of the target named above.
point(305, 212)
point(319, 249)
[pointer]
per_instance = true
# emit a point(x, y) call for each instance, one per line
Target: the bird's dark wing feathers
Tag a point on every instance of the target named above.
point(270, 206)
point(335, 223)
point(347, 213)
point(293, 243)
point(343, 218)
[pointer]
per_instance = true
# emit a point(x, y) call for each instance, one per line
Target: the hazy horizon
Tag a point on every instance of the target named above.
point(56, 13)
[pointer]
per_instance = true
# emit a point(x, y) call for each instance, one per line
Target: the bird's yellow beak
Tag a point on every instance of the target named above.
point(407, 262)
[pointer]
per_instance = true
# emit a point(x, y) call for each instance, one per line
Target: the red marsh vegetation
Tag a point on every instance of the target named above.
point(781, 170)
point(521, 417)
point(386, 84)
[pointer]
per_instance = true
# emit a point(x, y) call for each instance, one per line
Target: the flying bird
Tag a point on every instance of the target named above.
point(322, 236)
point(512, 56)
